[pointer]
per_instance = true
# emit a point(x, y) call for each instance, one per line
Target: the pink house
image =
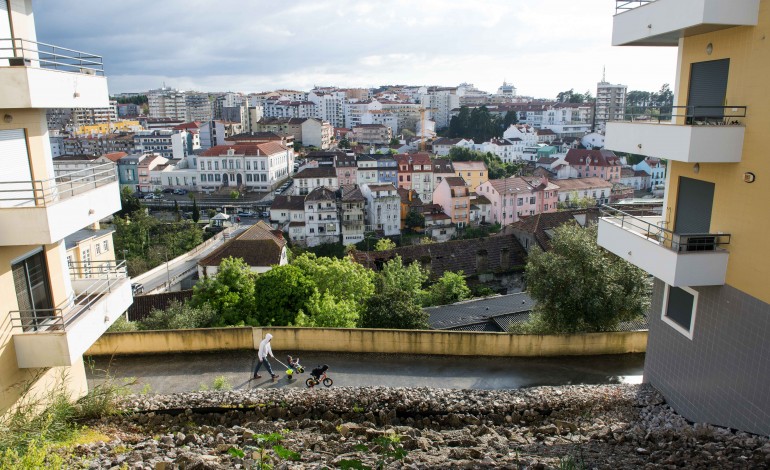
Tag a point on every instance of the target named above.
point(514, 197)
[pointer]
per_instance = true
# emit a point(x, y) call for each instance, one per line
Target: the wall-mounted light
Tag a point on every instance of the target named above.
point(91, 212)
point(709, 48)
point(696, 168)
point(7, 119)
point(748, 177)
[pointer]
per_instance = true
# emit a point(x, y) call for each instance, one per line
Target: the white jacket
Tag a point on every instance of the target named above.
point(264, 348)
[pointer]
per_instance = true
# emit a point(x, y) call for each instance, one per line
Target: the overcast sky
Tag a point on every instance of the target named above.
point(541, 46)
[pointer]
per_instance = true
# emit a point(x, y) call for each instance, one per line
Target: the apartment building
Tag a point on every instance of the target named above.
point(322, 222)
point(610, 103)
point(415, 171)
point(167, 103)
point(514, 197)
point(454, 197)
point(708, 351)
point(474, 173)
point(383, 208)
point(166, 143)
point(377, 134)
point(308, 179)
point(353, 210)
point(570, 189)
point(51, 312)
point(595, 163)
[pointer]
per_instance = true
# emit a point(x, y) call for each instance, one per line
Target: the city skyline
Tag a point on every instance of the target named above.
point(231, 46)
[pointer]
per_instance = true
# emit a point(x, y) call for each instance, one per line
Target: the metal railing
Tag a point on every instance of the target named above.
point(624, 5)
point(690, 115)
point(102, 277)
point(656, 233)
point(24, 52)
point(62, 186)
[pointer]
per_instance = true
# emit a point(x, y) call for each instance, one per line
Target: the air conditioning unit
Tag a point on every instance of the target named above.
point(697, 242)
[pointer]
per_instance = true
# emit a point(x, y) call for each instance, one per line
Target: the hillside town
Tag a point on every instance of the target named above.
point(514, 275)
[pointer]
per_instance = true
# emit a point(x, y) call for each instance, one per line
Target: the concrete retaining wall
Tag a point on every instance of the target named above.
point(452, 343)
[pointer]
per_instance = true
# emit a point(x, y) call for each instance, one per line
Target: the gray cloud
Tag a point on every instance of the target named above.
point(543, 47)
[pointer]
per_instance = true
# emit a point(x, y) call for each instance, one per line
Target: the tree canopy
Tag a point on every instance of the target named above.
point(496, 167)
point(390, 309)
point(282, 292)
point(477, 124)
point(449, 288)
point(579, 286)
point(230, 293)
point(570, 96)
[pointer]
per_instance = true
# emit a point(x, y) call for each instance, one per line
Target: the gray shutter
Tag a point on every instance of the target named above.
point(708, 87)
point(6, 46)
point(15, 174)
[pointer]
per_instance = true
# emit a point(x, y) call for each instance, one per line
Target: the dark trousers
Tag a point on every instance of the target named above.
point(267, 366)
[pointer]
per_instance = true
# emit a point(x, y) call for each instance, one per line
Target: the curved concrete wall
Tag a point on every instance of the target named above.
point(451, 343)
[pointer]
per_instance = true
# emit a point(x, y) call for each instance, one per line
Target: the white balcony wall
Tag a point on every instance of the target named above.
point(33, 87)
point(48, 224)
point(699, 268)
point(689, 144)
point(65, 348)
point(663, 22)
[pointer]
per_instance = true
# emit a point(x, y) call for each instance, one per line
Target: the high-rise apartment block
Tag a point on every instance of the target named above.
point(610, 103)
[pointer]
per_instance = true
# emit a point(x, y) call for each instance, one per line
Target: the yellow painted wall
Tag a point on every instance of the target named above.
point(106, 128)
point(95, 246)
point(371, 341)
point(740, 209)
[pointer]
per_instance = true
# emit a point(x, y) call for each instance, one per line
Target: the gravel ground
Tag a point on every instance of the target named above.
point(582, 426)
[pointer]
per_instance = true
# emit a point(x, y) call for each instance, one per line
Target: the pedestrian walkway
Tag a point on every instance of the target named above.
point(190, 372)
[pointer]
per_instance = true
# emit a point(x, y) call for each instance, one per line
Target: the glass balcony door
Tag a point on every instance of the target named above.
point(33, 290)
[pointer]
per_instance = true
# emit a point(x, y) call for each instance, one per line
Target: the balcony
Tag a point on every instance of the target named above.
point(682, 133)
point(42, 212)
point(676, 259)
point(60, 336)
point(41, 75)
point(663, 22)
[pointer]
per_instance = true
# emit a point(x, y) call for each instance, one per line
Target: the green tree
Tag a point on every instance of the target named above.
point(394, 141)
point(196, 212)
point(579, 286)
point(234, 194)
point(344, 279)
point(282, 292)
point(406, 280)
point(176, 211)
point(448, 289)
point(384, 244)
point(179, 316)
point(344, 143)
point(297, 147)
point(391, 309)
point(230, 293)
point(414, 220)
point(511, 117)
point(326, 311)
point(128, 203)
point(576, 202)
point(458, 125)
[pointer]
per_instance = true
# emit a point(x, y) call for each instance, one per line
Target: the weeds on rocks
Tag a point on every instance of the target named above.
point(259, 453)
point(387, 448)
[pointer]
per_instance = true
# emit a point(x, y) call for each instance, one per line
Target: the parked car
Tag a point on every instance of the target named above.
point(180, 192)
point(266, 214)
point(246, 214)
point(168, 190)
point(136, 288)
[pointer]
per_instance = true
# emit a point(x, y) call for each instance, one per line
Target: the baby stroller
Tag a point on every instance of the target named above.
point(318, 375)
point(293, 367)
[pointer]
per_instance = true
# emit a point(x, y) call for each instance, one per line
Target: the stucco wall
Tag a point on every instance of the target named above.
point(372, 341)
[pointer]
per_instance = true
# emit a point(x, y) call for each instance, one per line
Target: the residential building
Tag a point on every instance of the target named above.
point(595, 163)
point(514, 197)
point(90, 252)
point(440, 101)
point(52, 312)
point(346, 168)
point(353, 210)
point(287, 213)
point(213, 133)
point(415, 171)
point(147, 163)
point(322, 222)
point(410, 202)
point(367, 169)
point(453, 195)
point(128, 172)
point(308, 179)
point(383, 208)
point(198, 107)
point(655, 169)
point(610, 103)
point(170, 144)
point(442, 168)
point(387, 169)
point(638, 180)
point(355, 110)
point(287, 108)
point(316, 133)
point(167, 103)
point(536, 231)
point(96, 144)
point(443, 145)
point(707, 351)
point(329, 105)
point(260, 247)
point(473, 172)
point(438, 225)
point(252, 166)
point(597, 189)
point(376, 134)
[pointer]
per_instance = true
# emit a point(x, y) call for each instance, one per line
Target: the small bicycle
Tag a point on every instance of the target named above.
point(317, 376)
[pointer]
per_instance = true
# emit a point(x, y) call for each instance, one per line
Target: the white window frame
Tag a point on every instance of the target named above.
point(671, 322)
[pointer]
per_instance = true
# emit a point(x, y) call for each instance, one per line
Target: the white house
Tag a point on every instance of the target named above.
point(656, 168)
point(383, 208)
point(260, 247)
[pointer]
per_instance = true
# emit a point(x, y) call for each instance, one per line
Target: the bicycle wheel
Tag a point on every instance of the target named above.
point(328, 382)
point(309, 383)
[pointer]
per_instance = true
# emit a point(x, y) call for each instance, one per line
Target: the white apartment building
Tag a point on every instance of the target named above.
point(329, 105)
point(284, 108)
point(86, 117)
point(257, 167)
point(383, 208)
point(384, 118)
point(353, 209)
point(355, 110)
point(52, 311)
point(610, 103)
point(167, 143)
point(213, 133)
point(310, 178)
point(440, 101)
point(167, 103)
point(656, 169)
point(322, 222)
point(317, 133)
point(407, 113)
point(199, 107)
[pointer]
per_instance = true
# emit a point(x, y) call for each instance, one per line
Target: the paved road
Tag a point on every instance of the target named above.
point(190, 372)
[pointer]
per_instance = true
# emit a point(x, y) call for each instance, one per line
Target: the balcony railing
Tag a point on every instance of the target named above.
point(690, 115)
point(623, 5)
point(95, 278)
point(18, 51)
point(655, 233)
point(65, 184)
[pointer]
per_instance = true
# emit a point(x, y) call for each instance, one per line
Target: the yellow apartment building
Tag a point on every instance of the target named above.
point(49, 315)
point(709, 342)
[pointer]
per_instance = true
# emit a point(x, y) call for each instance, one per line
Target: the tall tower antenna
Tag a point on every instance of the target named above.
point(604, 72)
